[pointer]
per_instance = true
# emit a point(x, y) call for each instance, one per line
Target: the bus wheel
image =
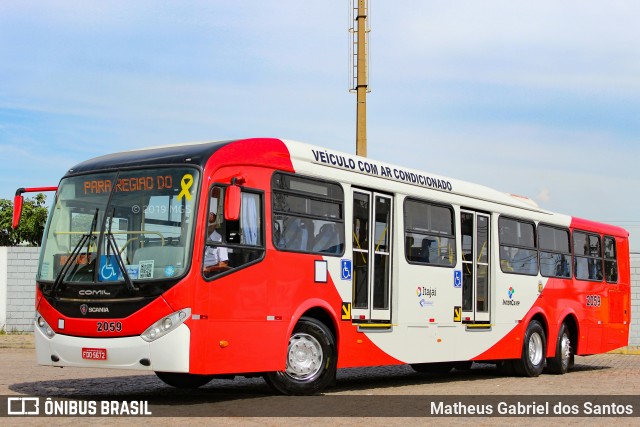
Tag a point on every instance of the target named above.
point(311, 360)
point(180, 380)
point(534, 347)
point(433, 368)
point(560, 363)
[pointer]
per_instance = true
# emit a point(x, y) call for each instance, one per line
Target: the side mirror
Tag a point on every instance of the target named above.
point(18, 201)
point(232, 199)
point(17, 208)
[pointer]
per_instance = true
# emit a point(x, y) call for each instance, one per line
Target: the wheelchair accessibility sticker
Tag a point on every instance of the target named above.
point(457, 278)
point(109, 269)
point(345, 269)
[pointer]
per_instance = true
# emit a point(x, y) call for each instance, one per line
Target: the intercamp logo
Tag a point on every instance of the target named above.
point(510, 301)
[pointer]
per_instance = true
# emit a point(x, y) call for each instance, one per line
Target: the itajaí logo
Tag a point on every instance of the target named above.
point(510, 301)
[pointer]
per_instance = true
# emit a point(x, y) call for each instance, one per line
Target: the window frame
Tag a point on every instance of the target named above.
point(224, 241)
point(576, 256)
point(340, 222)
point(406, 230)
point(535, 247)
point(163, 282)
point(605, 259)
point(570, 253)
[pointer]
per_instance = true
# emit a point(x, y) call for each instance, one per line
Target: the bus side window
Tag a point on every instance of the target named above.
point(555, 251)
point(232, 244)
point(429, 233)
point(610, 260)
point(307, 215)
point(518, 252)
point(587, 256)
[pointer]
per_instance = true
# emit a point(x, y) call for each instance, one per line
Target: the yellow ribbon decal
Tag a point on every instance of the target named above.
point(185, 184)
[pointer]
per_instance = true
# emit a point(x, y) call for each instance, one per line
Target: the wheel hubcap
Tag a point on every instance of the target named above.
point(535, 349)
point(304, 359)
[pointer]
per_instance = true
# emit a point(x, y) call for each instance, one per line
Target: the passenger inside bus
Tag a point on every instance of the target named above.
point(425, 250)
point(216, 258)
point(327, 240)
point(297, 233)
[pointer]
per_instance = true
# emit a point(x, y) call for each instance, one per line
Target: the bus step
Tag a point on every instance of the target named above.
point(368, 327)
point(478, 326)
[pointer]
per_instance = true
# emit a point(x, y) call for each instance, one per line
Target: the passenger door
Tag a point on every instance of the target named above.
point(474, 228)
point(371, 236)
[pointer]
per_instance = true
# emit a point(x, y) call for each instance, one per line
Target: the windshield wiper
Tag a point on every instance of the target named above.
point(113, 245)
point(85, 239)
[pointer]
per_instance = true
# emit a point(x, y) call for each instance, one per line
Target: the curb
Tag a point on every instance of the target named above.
point(635, 350)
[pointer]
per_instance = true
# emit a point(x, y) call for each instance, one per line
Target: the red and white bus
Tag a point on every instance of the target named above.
point(276, 258)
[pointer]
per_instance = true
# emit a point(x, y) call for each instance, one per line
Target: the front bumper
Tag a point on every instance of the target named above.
point(169, 353)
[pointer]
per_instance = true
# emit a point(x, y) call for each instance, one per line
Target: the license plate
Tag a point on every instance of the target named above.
point(94, 353)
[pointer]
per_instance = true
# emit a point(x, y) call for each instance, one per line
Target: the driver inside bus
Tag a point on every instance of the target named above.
point(216, 258)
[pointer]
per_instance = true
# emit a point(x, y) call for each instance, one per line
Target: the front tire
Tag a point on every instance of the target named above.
point(311, 360)
point(179, 380)
point(534, 348)
point(563, 360)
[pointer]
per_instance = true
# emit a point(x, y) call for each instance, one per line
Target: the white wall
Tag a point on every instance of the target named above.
point(3, 287)
point(18, 267)
point(634, 333)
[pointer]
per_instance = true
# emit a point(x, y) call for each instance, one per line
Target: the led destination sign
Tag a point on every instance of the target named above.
point(126, 185)
point(158, 183)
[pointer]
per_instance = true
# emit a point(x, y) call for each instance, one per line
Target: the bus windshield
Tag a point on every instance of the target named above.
point(139, 221)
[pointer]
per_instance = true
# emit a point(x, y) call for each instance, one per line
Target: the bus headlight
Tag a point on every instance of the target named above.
point(165, 325)
point(44, 326)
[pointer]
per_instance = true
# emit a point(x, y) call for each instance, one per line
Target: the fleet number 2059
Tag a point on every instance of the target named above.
point(593, 301)
point(109, 326)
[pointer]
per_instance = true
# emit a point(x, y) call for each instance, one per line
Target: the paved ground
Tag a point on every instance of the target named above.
point(607, 374)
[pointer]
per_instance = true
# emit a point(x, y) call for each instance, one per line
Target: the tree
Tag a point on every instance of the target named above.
point(32, 222)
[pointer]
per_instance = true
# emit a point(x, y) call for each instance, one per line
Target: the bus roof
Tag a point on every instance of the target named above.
point(598, 227)
point(198, 153)
point(189, 153)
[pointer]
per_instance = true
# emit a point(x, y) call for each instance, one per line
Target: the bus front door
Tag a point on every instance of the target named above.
point(371, 236)
point(474, 228)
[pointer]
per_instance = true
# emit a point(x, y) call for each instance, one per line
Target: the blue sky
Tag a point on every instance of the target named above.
point(534, 98)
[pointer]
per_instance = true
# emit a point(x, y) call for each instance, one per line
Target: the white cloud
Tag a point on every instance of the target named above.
point(544, 195)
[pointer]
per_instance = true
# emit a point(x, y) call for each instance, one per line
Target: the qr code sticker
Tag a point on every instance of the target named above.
point(146, 270)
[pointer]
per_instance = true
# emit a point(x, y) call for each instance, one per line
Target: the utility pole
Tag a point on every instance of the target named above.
point(360, 69)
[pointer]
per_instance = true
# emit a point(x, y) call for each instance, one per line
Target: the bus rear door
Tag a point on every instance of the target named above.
point(474, 228)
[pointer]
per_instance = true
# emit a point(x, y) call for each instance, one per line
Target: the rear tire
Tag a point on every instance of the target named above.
point(180, 380)
point(534, 348)
point(563, 360)
point(311, 360)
